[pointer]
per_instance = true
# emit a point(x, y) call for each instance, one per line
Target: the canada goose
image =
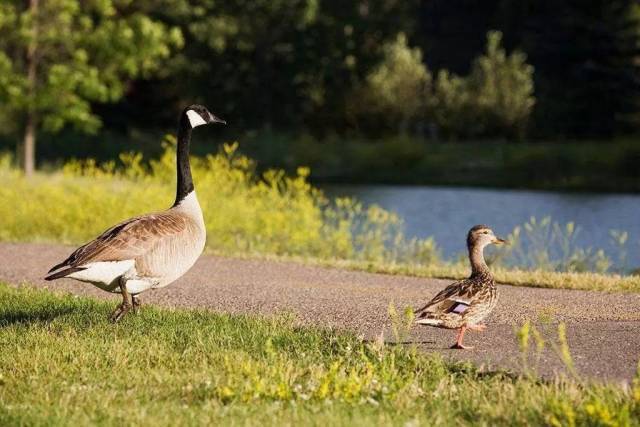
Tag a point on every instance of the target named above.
point(148, 251)
point(464, 304)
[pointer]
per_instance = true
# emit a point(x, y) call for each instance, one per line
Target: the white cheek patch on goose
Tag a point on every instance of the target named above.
point(195, 119)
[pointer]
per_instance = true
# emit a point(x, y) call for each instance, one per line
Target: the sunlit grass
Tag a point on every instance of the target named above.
point(511, 276)
point(62, 363)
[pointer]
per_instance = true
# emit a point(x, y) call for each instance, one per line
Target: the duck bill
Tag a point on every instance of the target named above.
point(500, 241)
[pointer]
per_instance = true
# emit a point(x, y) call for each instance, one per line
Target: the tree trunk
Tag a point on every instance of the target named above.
point(29, 143)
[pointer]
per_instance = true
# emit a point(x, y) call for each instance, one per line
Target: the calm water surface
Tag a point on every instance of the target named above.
point(448, 213)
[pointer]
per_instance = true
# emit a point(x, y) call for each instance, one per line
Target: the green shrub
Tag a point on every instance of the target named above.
point(397, 88)
point(501, 89)
point(451, 106)
point(495, 99)
point(244, 213)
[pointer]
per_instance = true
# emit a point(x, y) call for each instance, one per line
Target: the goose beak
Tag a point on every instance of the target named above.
point(214, 119)
point(500, 241)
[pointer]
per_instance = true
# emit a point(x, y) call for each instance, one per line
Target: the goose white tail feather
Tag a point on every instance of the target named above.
point(103, 274)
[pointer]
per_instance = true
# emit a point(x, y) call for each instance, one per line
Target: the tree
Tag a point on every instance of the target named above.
point(399, 84)
point(502, 89)
point(280, 64)
point(57, 57)
point(450, 107)
point(587, 68)
point(495, 99)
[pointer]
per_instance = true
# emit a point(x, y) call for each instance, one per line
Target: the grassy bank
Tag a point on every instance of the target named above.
point(245, 213)
point(586, 281)
point(563, 165)
point(273, 214)
point(63, 364)
point(592, 165)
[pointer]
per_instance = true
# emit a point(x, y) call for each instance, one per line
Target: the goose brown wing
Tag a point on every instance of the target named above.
point(127, 240)
point(457, 291)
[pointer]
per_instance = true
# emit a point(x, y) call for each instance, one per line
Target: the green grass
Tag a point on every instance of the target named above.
point(586, 281)
point(62, 363)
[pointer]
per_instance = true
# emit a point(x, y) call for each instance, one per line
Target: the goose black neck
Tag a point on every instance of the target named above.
point(185, 181)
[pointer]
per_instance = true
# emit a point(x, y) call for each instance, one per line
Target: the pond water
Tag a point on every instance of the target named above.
point(447, 213)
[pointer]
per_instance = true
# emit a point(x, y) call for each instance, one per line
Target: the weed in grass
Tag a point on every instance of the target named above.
point(401, 323)
point(523, 343)
point(619, 240)
point(560, 348)
point(636, 386)
point(549, 246)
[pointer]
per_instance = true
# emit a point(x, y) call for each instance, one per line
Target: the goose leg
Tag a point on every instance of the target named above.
point(135, 300)
point(459, 337)
point(125, 306)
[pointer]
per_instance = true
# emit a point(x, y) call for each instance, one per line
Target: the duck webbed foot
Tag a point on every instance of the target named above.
point(459, 337)
point(457, 346)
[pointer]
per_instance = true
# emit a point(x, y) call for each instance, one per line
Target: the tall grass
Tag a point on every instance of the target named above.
point(62, 363)
point(273, 213)
point(550, 246)
point(244, 213)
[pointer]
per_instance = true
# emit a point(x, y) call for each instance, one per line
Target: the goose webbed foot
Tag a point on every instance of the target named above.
point(125, 307)
point(135, 299)
point(120, 312)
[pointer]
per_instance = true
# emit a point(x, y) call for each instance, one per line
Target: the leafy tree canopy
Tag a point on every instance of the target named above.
point(59, 56)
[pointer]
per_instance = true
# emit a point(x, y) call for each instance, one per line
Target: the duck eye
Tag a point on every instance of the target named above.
point(485, 232)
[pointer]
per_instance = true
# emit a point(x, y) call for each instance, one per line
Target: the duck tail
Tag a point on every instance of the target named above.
point(421, 309)
point(428, 321)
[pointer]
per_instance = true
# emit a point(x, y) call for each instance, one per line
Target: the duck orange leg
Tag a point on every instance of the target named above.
point(459, 337)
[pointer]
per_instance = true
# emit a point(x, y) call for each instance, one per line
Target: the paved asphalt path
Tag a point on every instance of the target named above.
point(602, 328)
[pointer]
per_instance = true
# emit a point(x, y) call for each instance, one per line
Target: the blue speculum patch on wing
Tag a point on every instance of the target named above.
point(459, 307)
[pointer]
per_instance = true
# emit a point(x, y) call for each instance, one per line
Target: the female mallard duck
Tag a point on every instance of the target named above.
point(464, 304)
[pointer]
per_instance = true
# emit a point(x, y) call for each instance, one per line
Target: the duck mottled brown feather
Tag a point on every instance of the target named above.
point(478, 292)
